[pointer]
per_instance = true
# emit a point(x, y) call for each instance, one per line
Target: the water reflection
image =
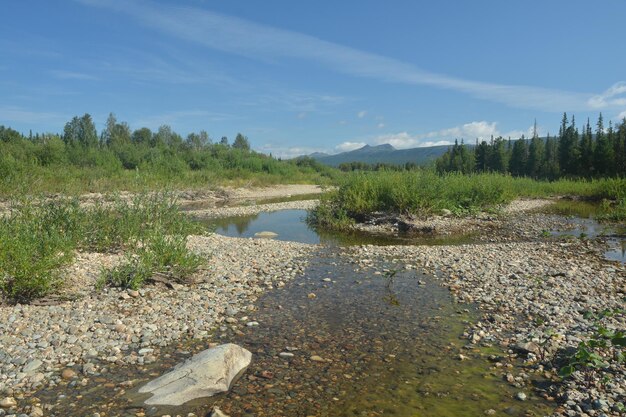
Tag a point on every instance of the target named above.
point(291, 225)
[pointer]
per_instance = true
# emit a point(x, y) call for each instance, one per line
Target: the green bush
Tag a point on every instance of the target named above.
point(158, 253)
point(37, 239)
point(35, 242)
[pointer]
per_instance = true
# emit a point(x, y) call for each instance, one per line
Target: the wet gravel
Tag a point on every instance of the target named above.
point(533, 288)
point(39, 343)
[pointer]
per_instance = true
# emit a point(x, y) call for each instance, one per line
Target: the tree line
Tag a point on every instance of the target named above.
point(574, 153)
point(119, 148)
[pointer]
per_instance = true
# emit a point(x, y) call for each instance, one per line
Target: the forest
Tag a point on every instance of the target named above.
point(574, 153)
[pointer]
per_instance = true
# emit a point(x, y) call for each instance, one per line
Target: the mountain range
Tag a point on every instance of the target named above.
point(383, 154)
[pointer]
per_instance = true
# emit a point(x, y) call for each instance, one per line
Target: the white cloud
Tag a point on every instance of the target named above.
point(242, 37)
point(612, 97)
point(481, 130)
point(621, 116)
point(301, 115)
point(380, 125)
point(361, 114)
point(349, 146)
point(289, 152)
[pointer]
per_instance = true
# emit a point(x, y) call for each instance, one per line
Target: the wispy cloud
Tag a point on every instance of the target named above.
point(71, 75)
point(242, 37)
point(349, 146)
point(20, 115)
point(296, 101)
point(613, 96)
point(361, 114)
point(175, 117)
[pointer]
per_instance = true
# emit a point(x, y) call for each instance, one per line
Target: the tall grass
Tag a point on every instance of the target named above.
point(37, 239)
point(422, 193)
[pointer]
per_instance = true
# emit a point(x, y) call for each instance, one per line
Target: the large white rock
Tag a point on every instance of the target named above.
point(205, 374)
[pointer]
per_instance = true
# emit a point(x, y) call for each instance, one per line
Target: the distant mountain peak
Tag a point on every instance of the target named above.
point(384, 153)
point(374, 149)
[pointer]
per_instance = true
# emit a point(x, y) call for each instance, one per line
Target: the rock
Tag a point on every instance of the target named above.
point(446, 213)
point(266, 374)
point(203, 375)
point(8, 402)
point(216, 412)
point(68, 373)
point(316, 358)
point(36, 412)
point(32, 366)
point(521, 396)
point(528, 347)
point(252, 324)
point(266, 235)
point(327, 280)
point(285, 355)
point(312, 296)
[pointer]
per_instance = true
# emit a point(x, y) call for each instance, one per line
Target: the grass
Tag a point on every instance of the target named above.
point(38, 239)
point(423, 193)
point(159, 253)
point(22, 178)
point(614, 212)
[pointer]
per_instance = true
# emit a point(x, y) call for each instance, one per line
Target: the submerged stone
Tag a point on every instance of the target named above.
point(203, 375)
point(266, 235)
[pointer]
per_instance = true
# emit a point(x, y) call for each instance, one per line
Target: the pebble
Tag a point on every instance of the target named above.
point(8, 402)
point(96, 327)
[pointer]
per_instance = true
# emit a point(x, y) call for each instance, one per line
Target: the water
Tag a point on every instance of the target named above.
point(581, 215)
point(207, 204)
point(290, 225)
point(390, 347)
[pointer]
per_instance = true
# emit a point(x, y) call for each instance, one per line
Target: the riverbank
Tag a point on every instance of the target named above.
point(75, 340)
point(529, 286)
point(533, 291)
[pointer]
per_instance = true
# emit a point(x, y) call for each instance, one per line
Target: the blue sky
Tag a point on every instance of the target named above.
point(304, 76)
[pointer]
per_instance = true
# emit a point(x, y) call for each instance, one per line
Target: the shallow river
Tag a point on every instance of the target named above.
point(390, 346)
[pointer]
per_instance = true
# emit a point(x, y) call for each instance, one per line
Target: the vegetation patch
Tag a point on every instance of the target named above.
point(423, 192)
point(37, 239)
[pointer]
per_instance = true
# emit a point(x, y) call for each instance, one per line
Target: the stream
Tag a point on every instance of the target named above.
point(389, 339)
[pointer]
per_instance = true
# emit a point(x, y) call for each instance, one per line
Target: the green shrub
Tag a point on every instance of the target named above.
point(37, 239)
point(35, 242)
point(158, 253)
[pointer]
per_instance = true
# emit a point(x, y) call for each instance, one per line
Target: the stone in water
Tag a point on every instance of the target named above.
point(266, 235)
point(203, 375)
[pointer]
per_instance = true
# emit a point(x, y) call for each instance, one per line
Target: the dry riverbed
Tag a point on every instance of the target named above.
point(530, 289)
